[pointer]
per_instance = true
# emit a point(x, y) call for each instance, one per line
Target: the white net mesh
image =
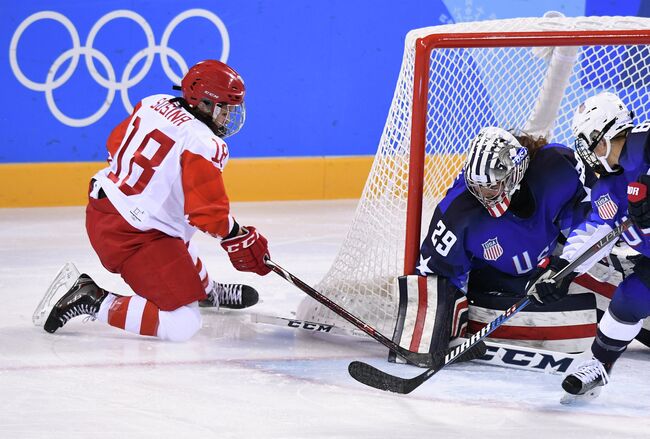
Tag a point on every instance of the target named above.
point(532, 89)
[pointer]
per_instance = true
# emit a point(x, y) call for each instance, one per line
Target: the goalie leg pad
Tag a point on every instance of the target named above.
point(568, 325)
point(431, 311)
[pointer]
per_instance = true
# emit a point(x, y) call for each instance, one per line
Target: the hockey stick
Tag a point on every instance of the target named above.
point(497, 354)
point(419, 359)
point(373, 377)
point(307, 326)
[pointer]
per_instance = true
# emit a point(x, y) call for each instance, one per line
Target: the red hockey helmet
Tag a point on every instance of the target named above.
point(215, 88)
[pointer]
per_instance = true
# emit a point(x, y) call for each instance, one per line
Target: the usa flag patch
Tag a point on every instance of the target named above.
point(492, 250)
point(606, 207)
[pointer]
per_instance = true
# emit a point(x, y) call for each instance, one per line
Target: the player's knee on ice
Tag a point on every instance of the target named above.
point(180, 324)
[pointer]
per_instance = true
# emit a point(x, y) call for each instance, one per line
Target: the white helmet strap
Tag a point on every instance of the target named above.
point(603, 159)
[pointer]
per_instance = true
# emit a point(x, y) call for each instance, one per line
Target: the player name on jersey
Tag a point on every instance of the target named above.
point(172, 111)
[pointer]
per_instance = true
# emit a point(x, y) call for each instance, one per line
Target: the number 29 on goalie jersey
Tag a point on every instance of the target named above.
point(443, 239)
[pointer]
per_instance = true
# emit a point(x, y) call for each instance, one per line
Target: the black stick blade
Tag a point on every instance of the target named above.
point(373, 377)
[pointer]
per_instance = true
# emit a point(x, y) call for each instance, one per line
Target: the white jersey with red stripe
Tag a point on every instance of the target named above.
point(164, 155)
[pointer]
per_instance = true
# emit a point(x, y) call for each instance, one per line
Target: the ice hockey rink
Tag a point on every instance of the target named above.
point(238, 379)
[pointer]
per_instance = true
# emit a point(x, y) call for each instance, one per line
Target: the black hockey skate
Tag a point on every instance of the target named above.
point(233, 296)
point(586, 382)
point(83, 298)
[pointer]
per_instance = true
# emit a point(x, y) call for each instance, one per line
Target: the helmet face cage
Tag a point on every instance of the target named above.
point(495, 166)
point(235, 119)
point(228, 119)
point(585, 148)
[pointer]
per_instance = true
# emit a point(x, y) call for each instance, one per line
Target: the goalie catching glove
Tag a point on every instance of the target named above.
point(542, 288)
point(248, 252)
point(639, 204)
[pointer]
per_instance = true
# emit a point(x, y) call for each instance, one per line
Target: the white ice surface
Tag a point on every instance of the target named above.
point(236, 379)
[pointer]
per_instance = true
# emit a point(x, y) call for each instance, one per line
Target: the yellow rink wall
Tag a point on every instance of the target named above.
point(309, 178)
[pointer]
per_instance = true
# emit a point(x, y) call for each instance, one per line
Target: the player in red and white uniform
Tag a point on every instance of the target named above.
point(163, 183)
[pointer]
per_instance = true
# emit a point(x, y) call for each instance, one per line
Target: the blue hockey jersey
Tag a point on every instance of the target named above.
point(609, 202)
point(463, 237)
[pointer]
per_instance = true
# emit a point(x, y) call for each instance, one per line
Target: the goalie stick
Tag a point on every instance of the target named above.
point(498, 354)
point(419, 359)
point(373, 377)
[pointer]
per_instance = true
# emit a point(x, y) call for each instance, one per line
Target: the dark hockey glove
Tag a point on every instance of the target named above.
point(248, 252)
point(638, 202)
point(542, 288)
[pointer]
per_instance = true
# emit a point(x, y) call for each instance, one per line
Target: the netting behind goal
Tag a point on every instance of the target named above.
point(515, 74)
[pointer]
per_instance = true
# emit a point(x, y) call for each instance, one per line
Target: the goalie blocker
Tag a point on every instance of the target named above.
point(432, 312)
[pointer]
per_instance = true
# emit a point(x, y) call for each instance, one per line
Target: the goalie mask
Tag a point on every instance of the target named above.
point(496, 164)
point(599, 119)
point(216, 93)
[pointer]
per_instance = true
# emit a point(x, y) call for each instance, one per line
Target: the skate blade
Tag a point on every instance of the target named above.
point(63, 281)
point(570, 399)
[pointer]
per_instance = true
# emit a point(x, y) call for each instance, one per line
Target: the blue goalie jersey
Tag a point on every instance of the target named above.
point(464, 238)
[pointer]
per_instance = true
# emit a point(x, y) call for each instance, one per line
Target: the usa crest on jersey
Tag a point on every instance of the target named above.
point(492, 250)
point(606, 207)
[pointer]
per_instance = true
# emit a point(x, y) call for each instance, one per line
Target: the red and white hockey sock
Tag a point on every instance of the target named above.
point(130, 313)
point(137, 315)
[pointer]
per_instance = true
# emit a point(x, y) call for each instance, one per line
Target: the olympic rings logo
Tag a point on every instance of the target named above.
point(52, 82)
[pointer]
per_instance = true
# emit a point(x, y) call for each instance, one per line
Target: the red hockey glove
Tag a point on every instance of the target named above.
point(542, 288)
point(248, 251)
point(639, 204)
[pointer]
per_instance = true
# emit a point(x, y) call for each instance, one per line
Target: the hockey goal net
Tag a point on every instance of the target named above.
point(528, 74)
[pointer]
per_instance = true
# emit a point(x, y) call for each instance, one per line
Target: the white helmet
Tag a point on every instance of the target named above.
point(495, 165)
point(602, 116)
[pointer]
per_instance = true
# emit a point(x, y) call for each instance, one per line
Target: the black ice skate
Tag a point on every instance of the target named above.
point(83, 298)
point(234, 296)
point(586, 382)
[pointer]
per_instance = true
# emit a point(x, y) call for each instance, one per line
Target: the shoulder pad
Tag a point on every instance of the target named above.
point(203, 142)
point(636, 146)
